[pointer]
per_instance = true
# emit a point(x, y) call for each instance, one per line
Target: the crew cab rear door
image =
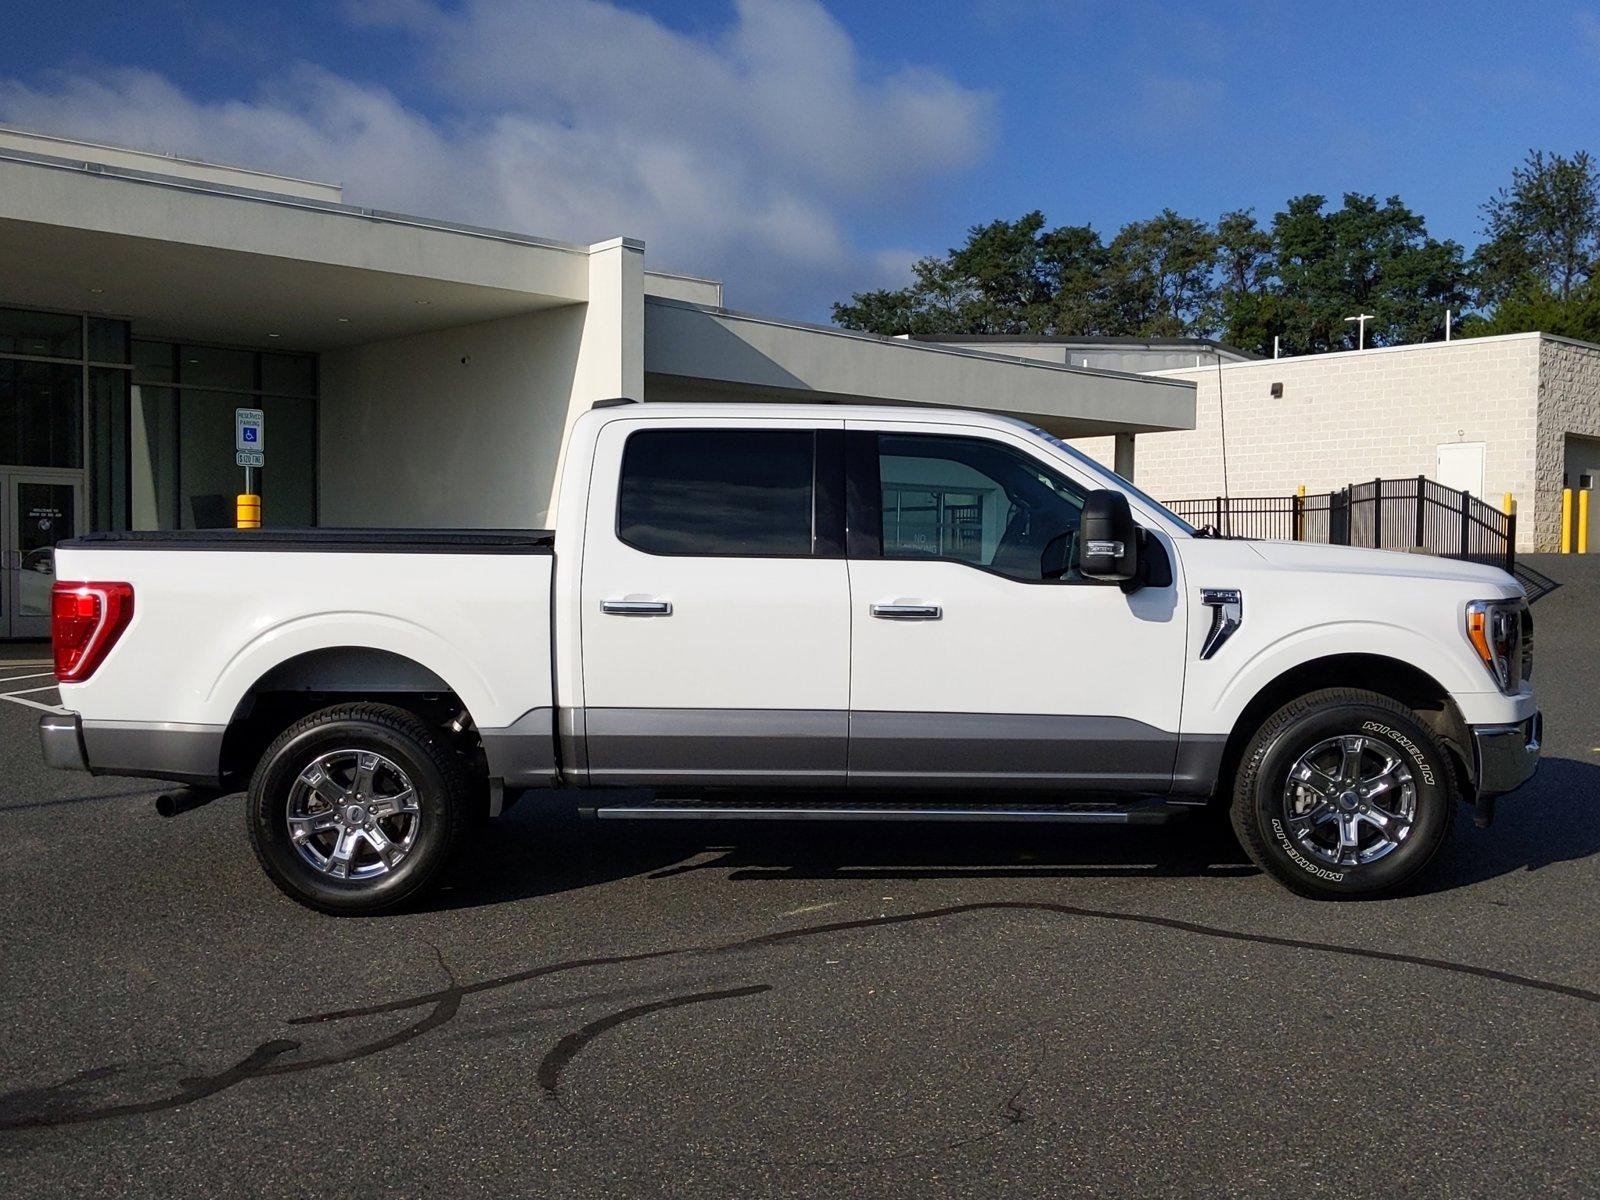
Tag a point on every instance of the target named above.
point(715, 622)
point(968, 665)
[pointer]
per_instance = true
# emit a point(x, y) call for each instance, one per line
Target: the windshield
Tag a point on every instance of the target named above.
point(1121, 482)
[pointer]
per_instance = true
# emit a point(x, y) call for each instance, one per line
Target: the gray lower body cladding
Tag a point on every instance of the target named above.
point(150, 750)
point(809, 748)
point(788, 748)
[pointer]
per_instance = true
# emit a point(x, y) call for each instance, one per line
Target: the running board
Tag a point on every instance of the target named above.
point(1152, 813)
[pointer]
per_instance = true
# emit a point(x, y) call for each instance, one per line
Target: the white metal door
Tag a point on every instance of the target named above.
point(964, 671)
point(1459, 465)
point(703, 669)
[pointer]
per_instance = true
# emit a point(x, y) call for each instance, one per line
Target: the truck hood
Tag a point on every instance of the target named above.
point(1348, 560)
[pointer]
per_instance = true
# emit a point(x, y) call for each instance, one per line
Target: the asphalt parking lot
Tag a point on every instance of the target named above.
point(715, 1010)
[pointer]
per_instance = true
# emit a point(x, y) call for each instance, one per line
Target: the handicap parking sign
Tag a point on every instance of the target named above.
point(249, 427)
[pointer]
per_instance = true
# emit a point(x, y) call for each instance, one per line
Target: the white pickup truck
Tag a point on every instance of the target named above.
point(806, 612)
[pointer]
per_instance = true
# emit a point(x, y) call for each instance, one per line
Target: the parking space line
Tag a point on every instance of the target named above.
point(20, 678)
point(46, 687)
point(55, 708)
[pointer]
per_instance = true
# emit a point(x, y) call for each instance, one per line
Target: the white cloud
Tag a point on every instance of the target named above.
point(742, 153)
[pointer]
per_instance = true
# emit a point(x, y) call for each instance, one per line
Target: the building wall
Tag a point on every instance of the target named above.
point(1356, 415)
point(466, 427)
point(457, 428)
point(1569, 403)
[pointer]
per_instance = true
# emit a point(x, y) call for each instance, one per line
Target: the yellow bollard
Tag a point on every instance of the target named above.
point(1510, 505)
point(1583, 520)
point(247, 510)
point(1566, 520)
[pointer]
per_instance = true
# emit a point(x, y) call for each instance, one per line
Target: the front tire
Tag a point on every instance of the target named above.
point(356, 809)
point(1343, 794)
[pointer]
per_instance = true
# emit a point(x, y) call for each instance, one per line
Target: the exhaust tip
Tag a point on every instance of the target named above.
point(182, 800)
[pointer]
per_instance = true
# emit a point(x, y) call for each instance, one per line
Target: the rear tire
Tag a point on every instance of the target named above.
point(357, 809)
point(1343, 794)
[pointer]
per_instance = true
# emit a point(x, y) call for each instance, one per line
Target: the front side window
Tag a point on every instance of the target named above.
point(975, 501)
point(717, 492)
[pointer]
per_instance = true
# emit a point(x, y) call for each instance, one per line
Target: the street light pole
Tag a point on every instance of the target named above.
point(1361, 320)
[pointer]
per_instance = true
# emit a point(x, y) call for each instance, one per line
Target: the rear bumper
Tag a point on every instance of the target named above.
point(61, 739)
point(1505, 756)
point(155, 750)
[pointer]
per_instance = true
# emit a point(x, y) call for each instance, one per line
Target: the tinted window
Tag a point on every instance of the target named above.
point(973, 500)
point(717, 492)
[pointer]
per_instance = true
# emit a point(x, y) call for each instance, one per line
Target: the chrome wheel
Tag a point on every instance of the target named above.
point(1349, 800)
point(353, 814)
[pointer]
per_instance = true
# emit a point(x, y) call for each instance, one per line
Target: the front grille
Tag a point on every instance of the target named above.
point(1527, 644)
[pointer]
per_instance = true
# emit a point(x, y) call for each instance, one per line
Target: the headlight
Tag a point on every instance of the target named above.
point(1494, 627)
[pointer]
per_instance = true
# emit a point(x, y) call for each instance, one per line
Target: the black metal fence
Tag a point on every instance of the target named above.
point(1381, 514)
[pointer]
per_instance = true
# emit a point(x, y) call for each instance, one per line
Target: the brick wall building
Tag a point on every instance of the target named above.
point(1495, 415)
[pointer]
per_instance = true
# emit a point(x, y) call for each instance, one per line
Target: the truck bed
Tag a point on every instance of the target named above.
point(221, 616)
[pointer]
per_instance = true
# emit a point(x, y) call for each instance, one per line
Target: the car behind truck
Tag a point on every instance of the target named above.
point(818, 612)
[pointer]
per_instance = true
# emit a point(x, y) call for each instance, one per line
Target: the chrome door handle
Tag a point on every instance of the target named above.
point(637, 608)
point(907, 612)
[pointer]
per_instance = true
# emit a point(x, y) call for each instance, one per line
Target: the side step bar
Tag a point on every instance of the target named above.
point(1152, 813)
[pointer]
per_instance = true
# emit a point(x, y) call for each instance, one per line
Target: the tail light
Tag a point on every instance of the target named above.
point(86, 619)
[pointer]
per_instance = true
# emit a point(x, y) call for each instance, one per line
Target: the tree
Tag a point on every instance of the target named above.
point(1003, 280)
point(1247, 310)
point(1361, 257)
point(1173, 276)
point(1530, 310)
point(1161, 277)
point(1542, 234)
point(1019, 277)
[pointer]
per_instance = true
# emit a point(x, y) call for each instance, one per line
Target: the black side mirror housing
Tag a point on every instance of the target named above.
point(1108, 541)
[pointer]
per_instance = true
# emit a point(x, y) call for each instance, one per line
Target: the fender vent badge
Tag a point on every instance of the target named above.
point(1227, 614)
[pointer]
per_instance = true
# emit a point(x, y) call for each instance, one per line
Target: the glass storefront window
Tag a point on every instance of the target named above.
point(288, 483)
point(160, 436)
point(108, 447)
point(211, 367)
point(41, 414)
point(153, 362)
point(45, 335)
point(209, 480)
point(153, 456)
point(108, 341)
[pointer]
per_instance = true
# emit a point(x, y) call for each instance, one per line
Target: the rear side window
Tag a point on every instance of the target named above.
point(717, 492)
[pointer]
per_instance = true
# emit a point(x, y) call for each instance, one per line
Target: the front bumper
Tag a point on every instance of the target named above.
point(1505, 756)
point(61, 738)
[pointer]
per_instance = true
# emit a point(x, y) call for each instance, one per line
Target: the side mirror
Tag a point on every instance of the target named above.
point(1108, 540)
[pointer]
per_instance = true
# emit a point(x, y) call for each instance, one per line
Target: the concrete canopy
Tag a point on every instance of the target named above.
point(210, 262)
point(692, 349)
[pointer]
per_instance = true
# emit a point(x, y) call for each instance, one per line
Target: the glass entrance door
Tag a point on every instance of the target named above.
point(38, 509)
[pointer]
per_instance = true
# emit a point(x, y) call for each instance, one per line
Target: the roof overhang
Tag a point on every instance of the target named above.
point(738, 354)
point(199, 260)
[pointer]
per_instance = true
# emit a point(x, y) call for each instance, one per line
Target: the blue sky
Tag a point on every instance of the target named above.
point(802, 151)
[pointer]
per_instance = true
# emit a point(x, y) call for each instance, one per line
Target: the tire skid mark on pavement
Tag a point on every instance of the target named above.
point(22, 1109)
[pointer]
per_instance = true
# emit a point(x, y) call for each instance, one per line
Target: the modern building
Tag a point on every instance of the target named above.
point(410, 371)
point(1517, 415)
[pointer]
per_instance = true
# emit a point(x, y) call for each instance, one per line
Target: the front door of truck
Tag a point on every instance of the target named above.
point(715, 619)
point(968, 665)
